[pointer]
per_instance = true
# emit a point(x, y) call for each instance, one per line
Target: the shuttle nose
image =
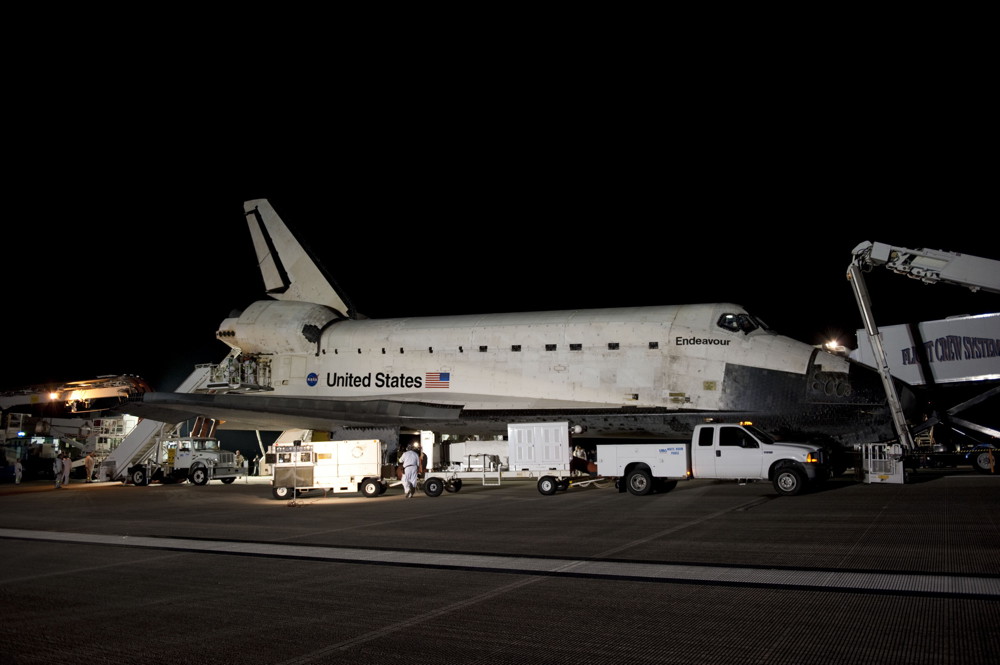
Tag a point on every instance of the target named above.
point(869, 392)
point(854, 401)
point(866, 387)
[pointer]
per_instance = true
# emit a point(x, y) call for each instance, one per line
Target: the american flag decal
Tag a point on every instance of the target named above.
point(438, 379)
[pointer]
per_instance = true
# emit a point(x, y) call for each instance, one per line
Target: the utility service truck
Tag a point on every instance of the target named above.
point(716, 451)
point(198, 459)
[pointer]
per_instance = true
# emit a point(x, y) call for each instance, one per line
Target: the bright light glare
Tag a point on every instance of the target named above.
point(834, 346)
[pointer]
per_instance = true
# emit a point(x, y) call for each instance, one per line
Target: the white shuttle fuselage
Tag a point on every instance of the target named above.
point(671, 357)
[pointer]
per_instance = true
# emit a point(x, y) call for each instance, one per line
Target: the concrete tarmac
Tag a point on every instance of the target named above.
point(709, 573)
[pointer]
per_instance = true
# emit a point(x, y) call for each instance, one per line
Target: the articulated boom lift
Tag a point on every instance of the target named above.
point(929, 266)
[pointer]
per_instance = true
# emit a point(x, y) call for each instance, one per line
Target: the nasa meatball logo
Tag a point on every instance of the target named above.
point(312, 379)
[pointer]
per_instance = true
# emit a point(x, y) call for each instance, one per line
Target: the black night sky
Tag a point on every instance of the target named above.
point(124, 253)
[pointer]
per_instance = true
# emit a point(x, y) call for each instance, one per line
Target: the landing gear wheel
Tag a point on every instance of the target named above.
point(433, 487)
point(227, 481)
point(639, 482)
point(138, 477)
point(789, 481)
point(454, 485)
point(199, 475)
point(371, 487)
point(547, 485)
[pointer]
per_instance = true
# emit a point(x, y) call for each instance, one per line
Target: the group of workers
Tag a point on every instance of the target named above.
point(62, 466)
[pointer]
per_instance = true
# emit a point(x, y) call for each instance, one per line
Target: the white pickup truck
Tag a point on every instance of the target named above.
point(720, 451)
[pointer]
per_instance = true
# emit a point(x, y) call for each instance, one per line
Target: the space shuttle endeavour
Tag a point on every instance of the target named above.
point(304, 358)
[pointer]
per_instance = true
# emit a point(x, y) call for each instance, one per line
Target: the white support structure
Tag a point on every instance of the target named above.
point(882, 363)
point(883, 463)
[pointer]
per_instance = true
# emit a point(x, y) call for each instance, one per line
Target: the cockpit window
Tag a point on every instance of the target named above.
point(741, 322)
point(738, 323)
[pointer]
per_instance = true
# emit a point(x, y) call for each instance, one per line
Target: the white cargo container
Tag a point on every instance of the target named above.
point(333, 466)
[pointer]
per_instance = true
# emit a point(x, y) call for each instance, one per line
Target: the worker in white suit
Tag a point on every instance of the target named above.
point(67, 468)
point(411, 463)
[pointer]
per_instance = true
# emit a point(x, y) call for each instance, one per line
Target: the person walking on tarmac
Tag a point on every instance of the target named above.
point(67, 467)
point(57, 465)
point(89, 462)
point(410, 462)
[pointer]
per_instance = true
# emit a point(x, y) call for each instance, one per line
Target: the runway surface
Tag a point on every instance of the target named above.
point(708, 573)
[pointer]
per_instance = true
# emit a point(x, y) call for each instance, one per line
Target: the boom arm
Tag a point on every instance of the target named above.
point(932, 265)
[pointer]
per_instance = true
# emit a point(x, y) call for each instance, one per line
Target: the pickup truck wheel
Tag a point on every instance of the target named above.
point(639, 482)
point(788, 481)
point(547, 485)
point(282, 492)
point(433, 487)
point(138, 477)
point(199, 475)
point(371, 487)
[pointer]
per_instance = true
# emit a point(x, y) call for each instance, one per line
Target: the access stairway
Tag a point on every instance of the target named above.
point(141, 442)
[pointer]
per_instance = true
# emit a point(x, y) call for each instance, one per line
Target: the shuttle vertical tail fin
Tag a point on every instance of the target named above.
point(288, 269)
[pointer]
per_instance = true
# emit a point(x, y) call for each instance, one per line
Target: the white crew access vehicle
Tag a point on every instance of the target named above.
point(198, 459)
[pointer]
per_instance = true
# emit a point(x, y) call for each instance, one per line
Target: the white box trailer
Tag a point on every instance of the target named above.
point(539, 447)
point(300, 465)
point(332, 466)
point(478, 455)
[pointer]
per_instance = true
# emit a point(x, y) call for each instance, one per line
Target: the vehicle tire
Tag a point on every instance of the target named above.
point(227, 481)
point(433, 487)
point(789, 481)
point(282, 492)
point(371, 487)
point(639, 482)
point(562, 485)
point(981, 460)
point(138, 477)
point(383, 487)
point(199, 475)
point(453, 486)
point(547, 485)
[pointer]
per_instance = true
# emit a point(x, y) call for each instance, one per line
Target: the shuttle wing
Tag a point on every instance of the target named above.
point(267, 413)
